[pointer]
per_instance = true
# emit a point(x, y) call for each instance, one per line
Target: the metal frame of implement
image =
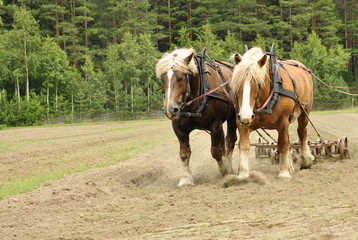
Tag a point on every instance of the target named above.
point(318, 148)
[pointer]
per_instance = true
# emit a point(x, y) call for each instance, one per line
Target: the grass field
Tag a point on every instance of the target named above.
point(31, 156)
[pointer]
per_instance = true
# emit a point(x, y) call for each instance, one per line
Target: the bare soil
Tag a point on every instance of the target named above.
point(139, 198)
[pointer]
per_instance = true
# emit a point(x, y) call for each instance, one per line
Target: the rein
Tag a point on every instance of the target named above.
point(265, 104)
point(204, 87)
point(185, 104)
point(325, 84)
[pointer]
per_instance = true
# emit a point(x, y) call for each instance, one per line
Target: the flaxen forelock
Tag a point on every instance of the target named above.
point(176, 61)
point(249, 70)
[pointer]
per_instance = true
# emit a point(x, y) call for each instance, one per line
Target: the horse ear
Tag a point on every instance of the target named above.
point(157, 60)
point(188, 58)
point(237, 58)
point(262, 61)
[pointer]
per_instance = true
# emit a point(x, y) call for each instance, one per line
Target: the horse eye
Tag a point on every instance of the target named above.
point(180, 79)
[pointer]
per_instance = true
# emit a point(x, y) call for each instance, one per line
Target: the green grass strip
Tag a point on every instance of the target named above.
point(340, 111)
point(31, 183)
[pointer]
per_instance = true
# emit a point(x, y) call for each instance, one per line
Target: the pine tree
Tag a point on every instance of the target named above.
point(325, 22)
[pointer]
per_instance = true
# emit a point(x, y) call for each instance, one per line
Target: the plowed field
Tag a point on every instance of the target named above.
point(139, 199)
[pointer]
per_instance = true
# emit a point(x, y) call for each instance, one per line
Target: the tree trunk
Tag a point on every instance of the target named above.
point(290, 20)
point(256, 11)
point(148, 98)
point(345, 25)
point(114, 25)
point(116, 105)
point(240, 20)
point(189, 20)
point(27, 70)
point(17, 90)
point(57, 28)
point(48, 104)
point(63, 32)
point(132, 98)
point(86, 28)
point(126, 93)
point(73, 15)
point(13, 18)
point(72, 106)
point(156, 20)
point(314, 21)
point(105, 14)
point(170, 24)
point(56, 107)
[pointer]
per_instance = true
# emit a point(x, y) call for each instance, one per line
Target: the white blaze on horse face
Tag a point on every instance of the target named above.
point(170, 75)
point(246, 111)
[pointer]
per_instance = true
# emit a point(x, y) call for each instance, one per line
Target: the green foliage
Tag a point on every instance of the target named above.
point(183, 38)
point(96, 57)
point(329, 65)
point(19, 112)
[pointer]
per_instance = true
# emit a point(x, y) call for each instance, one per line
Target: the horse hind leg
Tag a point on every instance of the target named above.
point(306, 156)
point(218, 149)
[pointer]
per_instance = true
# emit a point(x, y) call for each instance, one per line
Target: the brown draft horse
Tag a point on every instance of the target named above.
point(181, 83)
point(251, 72)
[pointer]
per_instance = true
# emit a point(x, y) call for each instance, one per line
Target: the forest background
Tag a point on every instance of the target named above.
point(75, 60)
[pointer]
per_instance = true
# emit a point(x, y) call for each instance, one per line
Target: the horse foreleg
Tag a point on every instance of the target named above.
point(230, 140)
point(185, 153)
point(218, 147)
point(283, 147)
point(244, 147)
point(306, 156)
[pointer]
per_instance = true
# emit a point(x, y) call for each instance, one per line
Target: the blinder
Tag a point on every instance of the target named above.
point(187, 92)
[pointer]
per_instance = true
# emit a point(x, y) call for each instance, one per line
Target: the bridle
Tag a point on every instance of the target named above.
point(187, 92)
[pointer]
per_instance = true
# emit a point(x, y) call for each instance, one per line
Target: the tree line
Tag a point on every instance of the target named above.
point(77, 58)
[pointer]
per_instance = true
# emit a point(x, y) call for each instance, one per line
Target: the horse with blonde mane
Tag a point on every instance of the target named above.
point(181, 79)
point(252, 85)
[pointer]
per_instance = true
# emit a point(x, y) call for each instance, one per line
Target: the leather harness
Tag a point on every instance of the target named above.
point(276, 88)
point(205, 91)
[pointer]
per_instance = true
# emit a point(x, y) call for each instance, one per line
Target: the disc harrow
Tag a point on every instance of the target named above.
point(319, 148)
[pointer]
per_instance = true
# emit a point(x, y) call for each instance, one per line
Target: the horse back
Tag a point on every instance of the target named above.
point(304, 84)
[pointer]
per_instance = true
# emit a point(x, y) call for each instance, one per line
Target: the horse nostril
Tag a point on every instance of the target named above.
point(252, 117)
point(175, 111)
point(238, 117)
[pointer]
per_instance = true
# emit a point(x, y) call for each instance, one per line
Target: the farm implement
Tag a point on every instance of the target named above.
point(266, 148)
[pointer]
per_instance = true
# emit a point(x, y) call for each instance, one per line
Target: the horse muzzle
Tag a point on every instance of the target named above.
point(171, 112)
point(246, 121)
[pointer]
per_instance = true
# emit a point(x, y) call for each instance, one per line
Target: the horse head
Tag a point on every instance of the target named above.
point(248, 77)
point(175, 70)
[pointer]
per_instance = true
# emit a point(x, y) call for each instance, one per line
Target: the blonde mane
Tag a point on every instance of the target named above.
point(249, 70)
point(175, 61)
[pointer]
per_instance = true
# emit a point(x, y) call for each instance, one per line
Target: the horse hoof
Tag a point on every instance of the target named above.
point(185, 182)
point(243, 176)
point(306, 161)
point(285, 175)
